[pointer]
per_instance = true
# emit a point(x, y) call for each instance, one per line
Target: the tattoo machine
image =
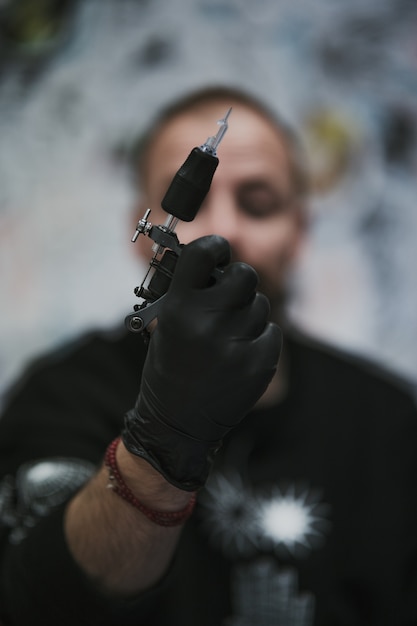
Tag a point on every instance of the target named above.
point(182, 201)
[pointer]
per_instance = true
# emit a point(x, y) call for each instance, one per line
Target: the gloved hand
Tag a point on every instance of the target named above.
point(210, 358)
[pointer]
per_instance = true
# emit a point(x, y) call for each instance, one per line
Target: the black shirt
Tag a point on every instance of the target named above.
point(309, 517)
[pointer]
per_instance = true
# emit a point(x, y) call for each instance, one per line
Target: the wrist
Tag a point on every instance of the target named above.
point(162, 514)
point(147, 483)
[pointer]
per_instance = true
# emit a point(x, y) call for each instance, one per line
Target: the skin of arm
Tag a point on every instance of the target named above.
point(121, 550)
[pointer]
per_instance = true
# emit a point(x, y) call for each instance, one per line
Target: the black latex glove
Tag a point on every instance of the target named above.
point(210, 358)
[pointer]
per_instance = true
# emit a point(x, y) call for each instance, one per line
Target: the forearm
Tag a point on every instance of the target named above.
point(113, 542)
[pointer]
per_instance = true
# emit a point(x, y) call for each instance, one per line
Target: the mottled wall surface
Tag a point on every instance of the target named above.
point(79, 80)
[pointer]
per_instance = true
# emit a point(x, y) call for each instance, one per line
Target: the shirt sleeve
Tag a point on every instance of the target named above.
point(57, 423)
point(41, 583)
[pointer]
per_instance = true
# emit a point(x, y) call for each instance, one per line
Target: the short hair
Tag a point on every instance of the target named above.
point(209, 95)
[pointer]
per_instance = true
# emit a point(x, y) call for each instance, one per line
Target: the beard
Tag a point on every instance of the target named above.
point(276, 286)
point(278, 299)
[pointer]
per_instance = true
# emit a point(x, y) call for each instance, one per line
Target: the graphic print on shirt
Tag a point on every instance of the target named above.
point(243, 522)
point(38, 488)
point(246, 523)
point(266, 595)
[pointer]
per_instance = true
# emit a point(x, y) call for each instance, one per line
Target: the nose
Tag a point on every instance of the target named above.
point(218, 215)
point(221, 216)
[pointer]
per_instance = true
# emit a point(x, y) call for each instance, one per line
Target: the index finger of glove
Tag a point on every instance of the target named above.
point(197, 262)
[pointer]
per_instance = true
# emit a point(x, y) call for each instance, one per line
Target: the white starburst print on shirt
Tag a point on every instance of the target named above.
point(243, 522)
point(293, 521)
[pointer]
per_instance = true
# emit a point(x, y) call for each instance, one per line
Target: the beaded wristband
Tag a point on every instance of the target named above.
point(118, 485)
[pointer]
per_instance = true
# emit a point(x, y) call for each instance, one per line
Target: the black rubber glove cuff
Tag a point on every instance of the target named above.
point(182, 460)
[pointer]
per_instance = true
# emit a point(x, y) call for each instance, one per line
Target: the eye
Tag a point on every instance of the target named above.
point(259, 199)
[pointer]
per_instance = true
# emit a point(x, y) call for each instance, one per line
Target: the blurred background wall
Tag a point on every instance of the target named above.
point(79, 79)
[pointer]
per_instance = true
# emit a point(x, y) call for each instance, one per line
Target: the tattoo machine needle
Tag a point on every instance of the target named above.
point(213, 143)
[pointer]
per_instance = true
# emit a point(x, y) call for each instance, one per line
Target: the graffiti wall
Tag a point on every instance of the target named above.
point(80, 79)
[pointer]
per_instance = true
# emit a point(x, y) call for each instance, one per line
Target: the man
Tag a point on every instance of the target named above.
point(305, 507)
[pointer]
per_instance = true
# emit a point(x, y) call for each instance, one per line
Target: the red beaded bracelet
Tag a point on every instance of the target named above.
point(118, 485)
